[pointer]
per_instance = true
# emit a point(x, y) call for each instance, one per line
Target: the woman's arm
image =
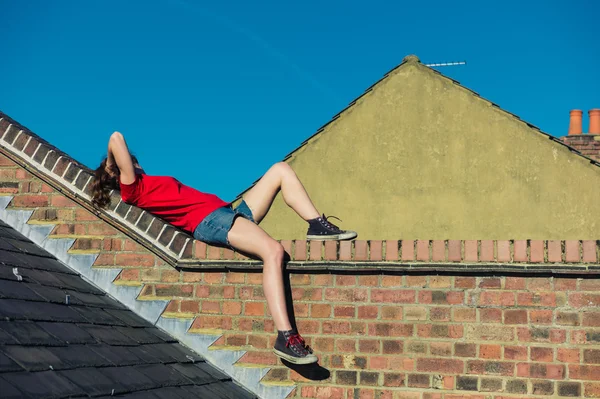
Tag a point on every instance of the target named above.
point(118, 154)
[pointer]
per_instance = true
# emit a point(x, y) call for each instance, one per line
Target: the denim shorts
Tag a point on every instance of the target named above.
point(215, 226)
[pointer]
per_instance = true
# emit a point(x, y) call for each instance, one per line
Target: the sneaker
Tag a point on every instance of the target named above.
point(290, 346)
point(321, 229)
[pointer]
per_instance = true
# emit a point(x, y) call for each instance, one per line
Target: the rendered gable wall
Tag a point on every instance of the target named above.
point(419, 156)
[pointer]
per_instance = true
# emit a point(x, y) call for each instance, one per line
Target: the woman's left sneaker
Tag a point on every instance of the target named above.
point(290, 346)
point(321, 229)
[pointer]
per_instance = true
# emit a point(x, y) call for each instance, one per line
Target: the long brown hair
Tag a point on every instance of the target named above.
point(103, 182)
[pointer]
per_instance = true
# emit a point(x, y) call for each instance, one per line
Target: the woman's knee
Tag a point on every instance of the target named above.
point(282, 168)
point(274, 251)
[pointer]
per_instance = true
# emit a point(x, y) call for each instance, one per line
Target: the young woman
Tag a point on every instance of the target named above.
point(214, 221)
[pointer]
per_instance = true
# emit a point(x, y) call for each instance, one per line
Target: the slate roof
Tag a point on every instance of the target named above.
point(62, 337)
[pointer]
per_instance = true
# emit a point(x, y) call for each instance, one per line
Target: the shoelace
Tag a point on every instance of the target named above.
point(296, 339)
point(328, 223)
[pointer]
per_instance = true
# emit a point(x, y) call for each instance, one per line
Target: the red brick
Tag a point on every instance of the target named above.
point(591, 356)
point(390, 329)
point(537, 251)
point(376, 250)
point(344, 311)
point(391, 313)
point(489, 351)
point(514, 283)
point(316, 247)
point(345, 280)
point(192, 277)
point(580, 300)
point(214, 277)
point(464, 314)
point(125, 259)
point(503, 251)
point(590, 254)
point(520, 251)
point(440, 330)
point(287, 246)
point(591, 319)
point(471, 251)
point(554, 251)
point(572, 251)
point(490, 315)
point(370, 281)
point(346, 250)
point(584, 372)
point(228, 254)
point(300, 250)
point(454, 250)
point(490, 367)
point(213, 253)
point(393, 296)
point(497, 298)
point(232, 307)
point(539, 284)
point(255, 357)
point(541, 354)
point(61, 201)
point(490, 282)
point(199, 250)
point(235, 278)
point(567, 355)
point(487, 251)
point(391, 281)
point(210, 321)
point(345, 345)
point(323, 280)
point(360, 250)
point(540, 316)
point(408, 250)
point(331, 250)
point(169, 276)
point(515, 316)
point(591, 389)
point(211, 307)
point(346, 294)
point(423, 250)
point(450, 366)
point(464, 282)
point(515, 352)
point(320, 310)
point(30, 201)
point(438, 250)
point(565, 284)
point(368, 312)
point(391, 250)
point(416, 281)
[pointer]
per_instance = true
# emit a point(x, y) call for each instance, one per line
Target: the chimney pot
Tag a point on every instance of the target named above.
point(575, 122)
point(594, 121)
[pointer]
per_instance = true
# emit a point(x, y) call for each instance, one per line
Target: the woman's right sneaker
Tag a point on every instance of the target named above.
point(322, 229)
point(290, 346)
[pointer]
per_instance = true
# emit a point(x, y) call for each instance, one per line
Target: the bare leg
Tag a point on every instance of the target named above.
point(280, 177)
point(250, 238)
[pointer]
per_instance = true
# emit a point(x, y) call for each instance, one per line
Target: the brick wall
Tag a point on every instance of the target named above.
point(383, 318)
point(586, 144)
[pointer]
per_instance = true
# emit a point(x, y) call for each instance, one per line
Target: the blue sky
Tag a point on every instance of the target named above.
point(213, 93)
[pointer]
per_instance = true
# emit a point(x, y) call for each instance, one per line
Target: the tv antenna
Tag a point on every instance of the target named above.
point(447, 64)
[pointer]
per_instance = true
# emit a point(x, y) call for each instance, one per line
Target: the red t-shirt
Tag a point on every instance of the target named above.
point(165, 197)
